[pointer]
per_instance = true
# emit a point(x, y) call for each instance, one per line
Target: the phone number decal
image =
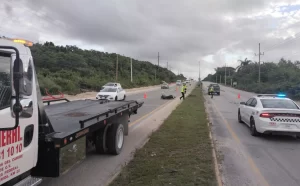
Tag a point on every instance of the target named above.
point(10, 151)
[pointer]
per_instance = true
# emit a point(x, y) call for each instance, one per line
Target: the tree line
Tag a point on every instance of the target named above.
point(72, 70)
point(281, 77)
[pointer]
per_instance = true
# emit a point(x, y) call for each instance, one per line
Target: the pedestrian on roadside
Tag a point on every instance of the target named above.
point(182, 91)
point(184, 88)
point(211, 91)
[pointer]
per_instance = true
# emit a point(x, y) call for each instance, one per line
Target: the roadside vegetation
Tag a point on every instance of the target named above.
point(178, 153)
point(72, 70)
point(283, 76)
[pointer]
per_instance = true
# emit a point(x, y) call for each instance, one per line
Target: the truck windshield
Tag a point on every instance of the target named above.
point(5, 90)
point(109, 90)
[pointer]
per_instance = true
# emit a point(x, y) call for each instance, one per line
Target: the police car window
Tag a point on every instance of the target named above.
point(5, 81)
point(278, 103)
point(249, 101)
point(253, 103)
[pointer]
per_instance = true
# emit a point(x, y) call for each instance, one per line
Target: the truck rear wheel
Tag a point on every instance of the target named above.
point(115, 139)
point(100, 142)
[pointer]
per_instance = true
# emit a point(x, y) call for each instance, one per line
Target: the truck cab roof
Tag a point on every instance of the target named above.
point(23, 50)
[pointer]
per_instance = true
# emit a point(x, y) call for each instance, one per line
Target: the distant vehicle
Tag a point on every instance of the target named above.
point(178, 82)
point(112, 93)
point(270, 114)
point(165, 86)
point(110, 84)
point(199, 83)
point(188, 82)
point(216, 89)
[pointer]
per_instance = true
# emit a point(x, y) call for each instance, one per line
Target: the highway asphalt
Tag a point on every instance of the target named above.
point(245, 159)
point(97, 170)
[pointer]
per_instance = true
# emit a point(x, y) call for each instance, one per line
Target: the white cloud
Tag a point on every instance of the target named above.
point(184, 32)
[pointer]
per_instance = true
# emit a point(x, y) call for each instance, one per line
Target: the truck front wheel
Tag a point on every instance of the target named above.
point(115, 139)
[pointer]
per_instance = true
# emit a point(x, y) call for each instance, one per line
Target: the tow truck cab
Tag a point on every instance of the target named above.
point(47, 140)
point(19, 127)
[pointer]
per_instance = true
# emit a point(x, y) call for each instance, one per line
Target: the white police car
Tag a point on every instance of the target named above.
point(270, 114)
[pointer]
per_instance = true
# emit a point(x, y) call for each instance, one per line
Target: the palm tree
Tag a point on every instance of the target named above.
point(243, 63)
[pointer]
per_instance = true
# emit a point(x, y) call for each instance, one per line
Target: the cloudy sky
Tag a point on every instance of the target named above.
point(185, 32)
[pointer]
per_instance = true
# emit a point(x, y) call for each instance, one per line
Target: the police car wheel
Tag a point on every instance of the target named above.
point(253, 128)
point(239, 117)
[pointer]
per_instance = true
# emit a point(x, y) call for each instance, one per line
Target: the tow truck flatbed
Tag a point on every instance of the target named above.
point(69, 118)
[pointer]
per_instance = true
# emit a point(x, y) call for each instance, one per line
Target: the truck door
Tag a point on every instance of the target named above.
point(18, 147)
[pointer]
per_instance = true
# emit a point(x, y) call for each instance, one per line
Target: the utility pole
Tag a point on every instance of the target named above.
point(158, 59)
point(167, 65)
point(259, 54)
point(117, 68)
point(231, 82)
point(131, 68)
point(220, 79)
point(225, 74)
point(216, 78)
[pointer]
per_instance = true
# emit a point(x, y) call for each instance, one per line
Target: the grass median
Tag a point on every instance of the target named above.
point(178, 153)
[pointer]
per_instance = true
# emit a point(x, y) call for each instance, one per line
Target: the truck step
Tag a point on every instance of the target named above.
point(29, 181)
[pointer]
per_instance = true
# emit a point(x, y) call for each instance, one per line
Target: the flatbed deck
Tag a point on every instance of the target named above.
point(65, 117)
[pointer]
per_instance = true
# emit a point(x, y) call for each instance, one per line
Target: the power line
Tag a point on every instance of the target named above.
point(297, 36)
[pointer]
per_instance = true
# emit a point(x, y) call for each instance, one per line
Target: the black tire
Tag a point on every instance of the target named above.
point(112, 139)
point(219, 93)
point(116, 98)
point(100, 142)
point(239, 117)
point(124, 97)
point(253, 130)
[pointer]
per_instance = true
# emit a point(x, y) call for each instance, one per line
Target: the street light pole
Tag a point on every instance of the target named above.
point(199, 72)
point(117, 68)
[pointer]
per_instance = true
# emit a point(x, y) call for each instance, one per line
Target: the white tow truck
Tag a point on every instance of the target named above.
point(45, 140)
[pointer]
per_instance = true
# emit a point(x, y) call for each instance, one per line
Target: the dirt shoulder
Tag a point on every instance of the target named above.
point(90, 95)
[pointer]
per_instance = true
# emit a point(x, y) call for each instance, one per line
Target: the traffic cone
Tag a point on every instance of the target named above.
point(239, 96)
point(145, 95)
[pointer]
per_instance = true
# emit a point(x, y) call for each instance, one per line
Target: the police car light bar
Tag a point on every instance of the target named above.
point(271, 95)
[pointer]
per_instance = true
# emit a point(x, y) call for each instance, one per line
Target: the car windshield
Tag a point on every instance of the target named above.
point(278, 103)
point(109, 84)
point(109, 90)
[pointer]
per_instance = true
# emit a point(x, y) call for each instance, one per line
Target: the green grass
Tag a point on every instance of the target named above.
point(179, 153)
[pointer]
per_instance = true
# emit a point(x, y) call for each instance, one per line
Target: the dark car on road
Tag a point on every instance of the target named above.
point(216, 89)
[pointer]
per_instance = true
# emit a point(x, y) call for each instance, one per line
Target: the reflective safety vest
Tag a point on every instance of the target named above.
point(211, 89)
point(182, 88)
